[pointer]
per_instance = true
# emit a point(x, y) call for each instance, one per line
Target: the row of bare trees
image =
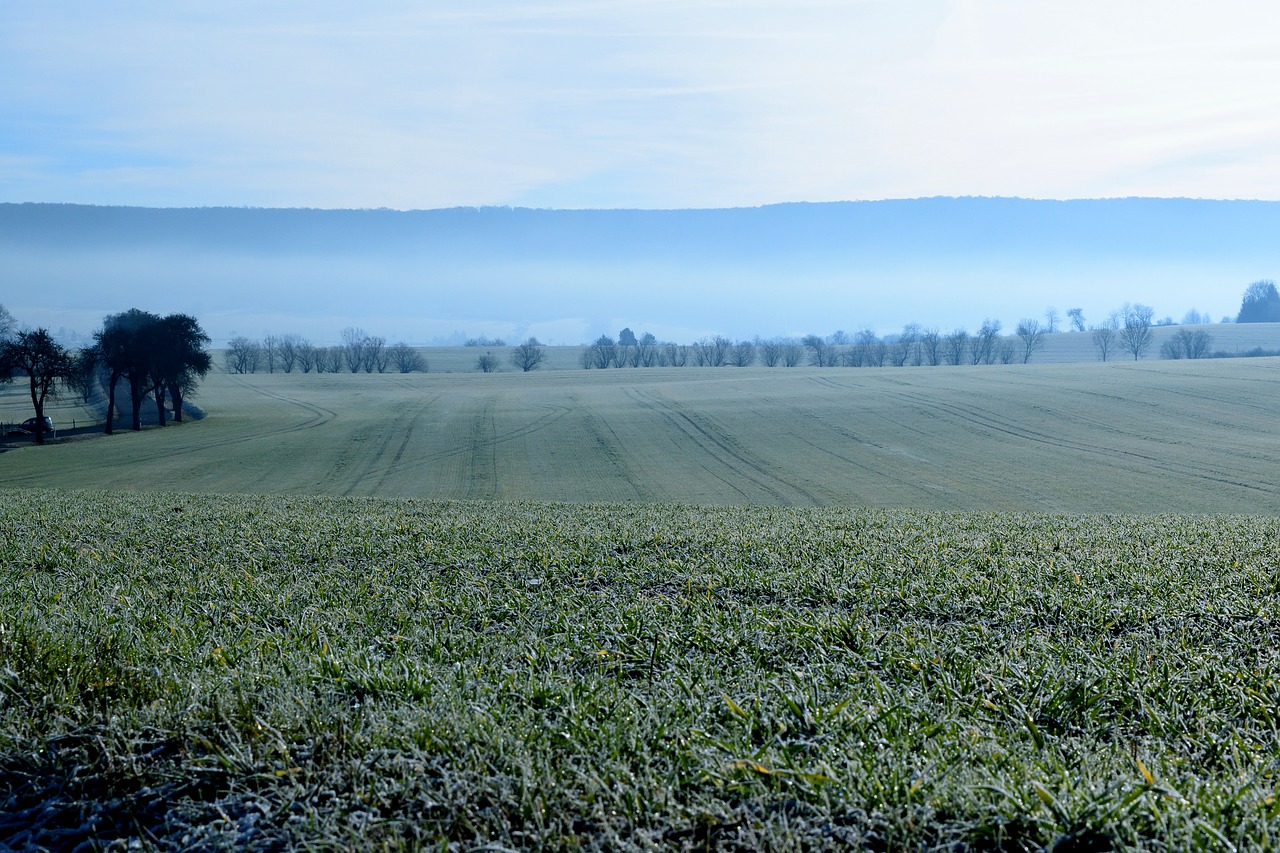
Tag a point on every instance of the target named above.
point(647, 351)
point(287, 353)
point(913, 346)
point(1129, 330)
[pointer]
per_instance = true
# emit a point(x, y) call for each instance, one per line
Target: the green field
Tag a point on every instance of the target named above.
point(1148, 436)
point(1008, 607)
point(275, 672)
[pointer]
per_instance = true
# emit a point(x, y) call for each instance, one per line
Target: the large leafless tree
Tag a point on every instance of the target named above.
point(406, 359)
point(1136, 333)
point(44, 361)
point(528, 355)
point(955, 344)
point(1031, 333)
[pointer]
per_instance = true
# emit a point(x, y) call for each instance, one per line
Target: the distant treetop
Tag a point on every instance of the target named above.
point(1261, 303)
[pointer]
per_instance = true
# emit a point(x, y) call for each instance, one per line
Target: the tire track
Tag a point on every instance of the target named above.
point(989, 423)
point(612, 448)
point(724, 450)
point(476, 444)
point(384, 471)
point(318, 417)
point(982, 421)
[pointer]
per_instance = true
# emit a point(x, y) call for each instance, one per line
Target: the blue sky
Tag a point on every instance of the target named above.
point(635, 103)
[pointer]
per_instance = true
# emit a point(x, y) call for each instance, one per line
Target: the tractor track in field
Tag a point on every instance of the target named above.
point(724, 449)
point(376, 467)
point(985, 421)
point(482, 439)
point(319, 416)
point(990, 423)
point(613, 449)
point(885, 452)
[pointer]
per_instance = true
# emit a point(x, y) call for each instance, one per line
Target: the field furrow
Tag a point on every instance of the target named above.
point(1151, 436)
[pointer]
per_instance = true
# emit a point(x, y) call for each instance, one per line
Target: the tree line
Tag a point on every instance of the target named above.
point(159, 357)
point(1128, 330)
point(359, 352)
point(287, 353)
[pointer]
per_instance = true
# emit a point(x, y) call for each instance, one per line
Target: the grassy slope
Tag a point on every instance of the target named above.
point(278, 672)
point(1151, 436)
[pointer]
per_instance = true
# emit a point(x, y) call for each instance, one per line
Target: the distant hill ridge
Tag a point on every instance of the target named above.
point(957, 226)
point(568, 275)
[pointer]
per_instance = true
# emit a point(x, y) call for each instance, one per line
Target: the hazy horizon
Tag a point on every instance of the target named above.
point(438, 277)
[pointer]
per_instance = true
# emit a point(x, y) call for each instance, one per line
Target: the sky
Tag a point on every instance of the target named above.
point(635, 103)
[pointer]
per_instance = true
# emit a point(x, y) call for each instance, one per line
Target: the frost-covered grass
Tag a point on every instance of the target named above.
point(263, 672)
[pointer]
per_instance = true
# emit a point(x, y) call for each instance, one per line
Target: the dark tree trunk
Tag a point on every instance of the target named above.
point(111, 402)
point(137, 392)
point(39, 407)
point(175, 396)
point(161, 414)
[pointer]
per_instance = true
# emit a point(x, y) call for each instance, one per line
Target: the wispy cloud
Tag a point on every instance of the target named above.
point(654, 103)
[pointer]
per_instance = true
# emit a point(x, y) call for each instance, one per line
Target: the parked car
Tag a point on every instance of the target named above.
point(28, 427)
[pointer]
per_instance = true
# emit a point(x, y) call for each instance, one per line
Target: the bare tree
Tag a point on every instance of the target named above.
point(1050, 321)
point(1076, 316)
point(375, 354)
point(86, 371)
point(406, 359)
point(353, 345)
point(770, 352)
point(306, 352)
point(874, 351)
point(288, 351)
point(743, 354)
point(854, 355)
point(335, 357)
point(700, 352)
point(674, 355)
point(528, 355)
point(982, 346)
point(905, 348)
point(487, 363)
point(954, 346)
point(712, 352)
point(270, 352)
point(7, 323)
point(931, 347)
point(242, 355)
point(1135, 335)
point(647, 350)
point(601, 354)
point(1032, 335)
point(1197, 344)
point(792, 354)
point(1185, 343)
point(1104, 336)
point(821, 352)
